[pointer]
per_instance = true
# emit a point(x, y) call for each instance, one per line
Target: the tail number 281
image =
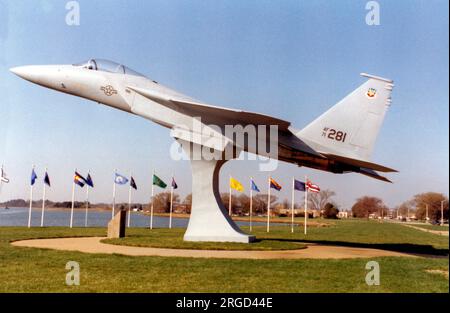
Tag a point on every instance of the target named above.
point(334, 134)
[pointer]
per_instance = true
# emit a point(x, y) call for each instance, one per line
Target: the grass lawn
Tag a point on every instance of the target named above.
point(40, 270)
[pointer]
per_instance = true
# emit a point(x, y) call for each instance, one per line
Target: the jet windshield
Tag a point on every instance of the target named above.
point(108, 66)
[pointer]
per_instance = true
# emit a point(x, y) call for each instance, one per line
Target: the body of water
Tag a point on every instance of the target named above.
point(19, 217)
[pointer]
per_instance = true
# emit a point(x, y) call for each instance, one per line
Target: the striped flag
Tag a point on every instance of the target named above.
point(274, 184)
point(312, 187)
point(79, 180)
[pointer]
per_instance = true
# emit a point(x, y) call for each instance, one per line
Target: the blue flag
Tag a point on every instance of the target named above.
point(120, 179)
point(298, 185)
point(47, 179)
point(254, 187)
point(89, 181)
point(33, 177)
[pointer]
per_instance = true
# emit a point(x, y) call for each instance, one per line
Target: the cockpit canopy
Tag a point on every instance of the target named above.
point(107, 66)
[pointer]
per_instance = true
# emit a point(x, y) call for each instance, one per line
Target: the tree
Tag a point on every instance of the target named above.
point(366, 205)
point(161, 201)
point(433, 200)
point(330, 211)
point(260, 203)
point(188, 203)
point(244, 202)
point(317, 201)
point(405, 209)
point(234, 201)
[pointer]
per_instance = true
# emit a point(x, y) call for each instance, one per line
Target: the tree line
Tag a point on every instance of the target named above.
point(320, 202)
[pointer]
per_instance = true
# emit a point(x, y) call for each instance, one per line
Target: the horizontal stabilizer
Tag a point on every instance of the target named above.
point(360, 163)
point(373, 174)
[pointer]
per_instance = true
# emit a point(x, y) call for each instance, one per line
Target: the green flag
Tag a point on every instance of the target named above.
point(158, 182)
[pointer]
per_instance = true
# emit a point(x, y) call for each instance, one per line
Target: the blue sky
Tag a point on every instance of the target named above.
point(290, 59)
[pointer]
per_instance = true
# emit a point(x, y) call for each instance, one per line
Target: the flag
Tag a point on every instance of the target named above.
point(33, 177)
point(158, 182)
point(312, 187)
point(120, 179)
point(47, 179)
point(133, 183)
point(89, 181)
point(174, 183)
point(254, 187)
point(274, 184)
point(236, 185)
point(3, 177)
point(299, 185)
point(79, 180)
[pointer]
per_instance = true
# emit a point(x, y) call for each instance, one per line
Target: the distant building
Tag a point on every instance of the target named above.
point(343, 214)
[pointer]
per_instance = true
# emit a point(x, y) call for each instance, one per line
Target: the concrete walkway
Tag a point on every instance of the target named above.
point(436, 232)
point(313, 251)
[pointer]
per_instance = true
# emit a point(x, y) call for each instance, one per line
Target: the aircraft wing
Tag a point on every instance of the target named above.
point(211, 112)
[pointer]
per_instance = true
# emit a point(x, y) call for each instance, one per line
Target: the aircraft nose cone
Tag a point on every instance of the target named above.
point(26, 72)
point(19, 70)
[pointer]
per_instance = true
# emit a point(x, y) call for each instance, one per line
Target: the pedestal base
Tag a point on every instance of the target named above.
point(209, 219)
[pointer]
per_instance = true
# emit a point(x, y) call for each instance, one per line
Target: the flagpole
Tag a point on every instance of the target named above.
point(43, 201)
point(151, 209)
point(306, 201)
point(31, 204)
point(73, 202)
point(229, 198)
point(171, 203)
point(268, 208)
point(292, 206)
point(251, 202)
point(114, 196)
point(129, 201)
point(87, 205)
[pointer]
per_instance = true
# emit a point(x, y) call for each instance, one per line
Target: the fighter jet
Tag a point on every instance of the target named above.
point(341, 140)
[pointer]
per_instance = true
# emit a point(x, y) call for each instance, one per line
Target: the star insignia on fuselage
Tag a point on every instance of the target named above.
point(108, 90)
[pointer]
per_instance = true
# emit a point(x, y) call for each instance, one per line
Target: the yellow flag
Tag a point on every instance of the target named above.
point(236, 185)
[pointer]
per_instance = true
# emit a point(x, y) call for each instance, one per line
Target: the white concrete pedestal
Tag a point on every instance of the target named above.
point(209, 219)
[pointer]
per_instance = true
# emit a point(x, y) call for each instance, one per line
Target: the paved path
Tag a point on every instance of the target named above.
point(313, 251)
point(436, 232)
